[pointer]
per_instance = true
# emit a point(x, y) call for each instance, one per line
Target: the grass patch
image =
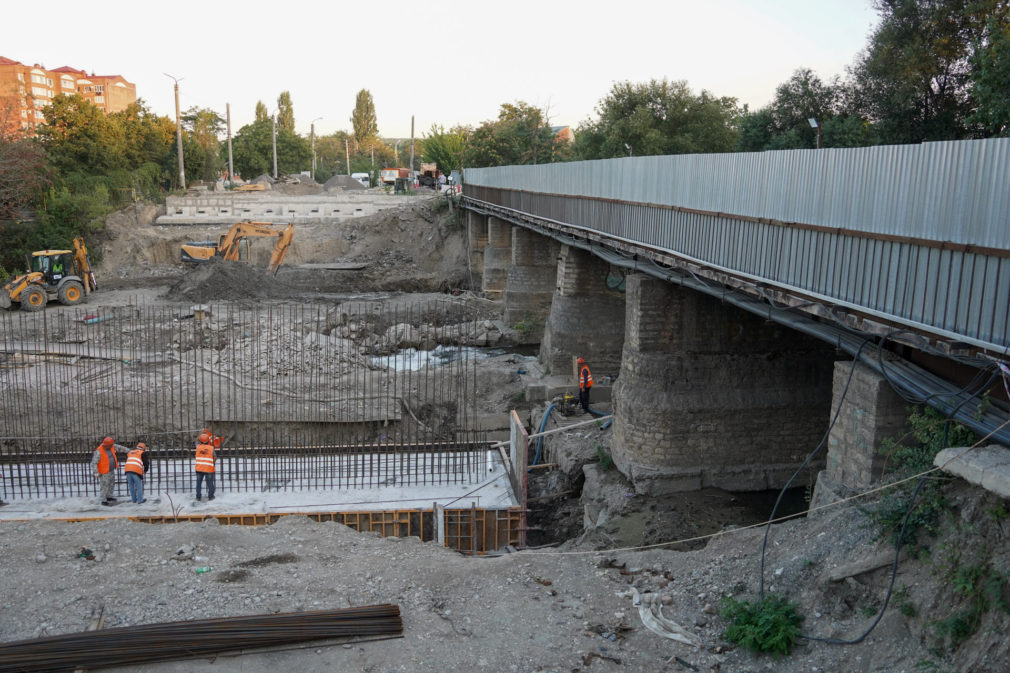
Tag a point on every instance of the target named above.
point(772, 626)
point(603, 456)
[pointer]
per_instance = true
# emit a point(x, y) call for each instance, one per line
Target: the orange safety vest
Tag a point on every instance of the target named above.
point(104, 462)
point(135, 462)
point(204, 458)
point(585, 378)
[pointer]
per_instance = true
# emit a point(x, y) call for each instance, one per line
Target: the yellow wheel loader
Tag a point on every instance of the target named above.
point(61, 275)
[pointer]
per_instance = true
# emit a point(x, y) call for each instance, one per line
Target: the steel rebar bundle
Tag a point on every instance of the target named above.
point(185, 640)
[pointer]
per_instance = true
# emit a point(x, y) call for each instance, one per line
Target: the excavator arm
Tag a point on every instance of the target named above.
point(82, 266)
point(230, 244)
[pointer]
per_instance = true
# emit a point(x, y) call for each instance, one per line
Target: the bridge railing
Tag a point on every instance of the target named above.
point(916, 235)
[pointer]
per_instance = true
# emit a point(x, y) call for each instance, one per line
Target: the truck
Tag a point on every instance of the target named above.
point(389, 175)
point(428, 175)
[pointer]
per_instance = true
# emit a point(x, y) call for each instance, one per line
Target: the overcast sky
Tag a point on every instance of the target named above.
point(443, 62)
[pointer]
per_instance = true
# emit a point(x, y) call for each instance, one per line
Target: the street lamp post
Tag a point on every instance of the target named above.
point(312, 133)
point(273, 125)
point(628, 147)
point(816, 125)
point(178, 133)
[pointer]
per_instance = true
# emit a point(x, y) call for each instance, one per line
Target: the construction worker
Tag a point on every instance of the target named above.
point(137, 463)
point(585, 383)
point(105, 463)
point(204, 465)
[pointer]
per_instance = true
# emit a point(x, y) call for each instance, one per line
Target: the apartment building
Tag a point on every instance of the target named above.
point(26, 90)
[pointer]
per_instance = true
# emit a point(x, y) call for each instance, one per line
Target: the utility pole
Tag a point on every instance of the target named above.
point(313, 133)
point(347, 154)
point(178, 134)
point(273, 124)
point(411, 173)
point(231, 163)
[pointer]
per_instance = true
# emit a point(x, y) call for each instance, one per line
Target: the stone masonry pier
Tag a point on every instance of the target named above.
point(497, 257)
point(586, 317)
point(529, 283)
point(709, 395)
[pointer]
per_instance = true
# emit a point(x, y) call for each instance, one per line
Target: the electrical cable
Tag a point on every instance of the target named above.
point(803, 465)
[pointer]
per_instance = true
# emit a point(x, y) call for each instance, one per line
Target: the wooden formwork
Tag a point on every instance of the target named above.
point(470, 531)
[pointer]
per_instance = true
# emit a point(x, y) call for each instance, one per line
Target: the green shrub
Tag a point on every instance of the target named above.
point(770, 626)
point(604, 457)
point(932, 432)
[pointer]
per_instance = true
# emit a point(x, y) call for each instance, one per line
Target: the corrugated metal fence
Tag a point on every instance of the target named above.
point(917, 234)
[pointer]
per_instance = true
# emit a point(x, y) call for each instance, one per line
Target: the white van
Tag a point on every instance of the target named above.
point(362, 178)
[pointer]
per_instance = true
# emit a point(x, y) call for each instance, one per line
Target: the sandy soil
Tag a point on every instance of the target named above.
point(561, 608)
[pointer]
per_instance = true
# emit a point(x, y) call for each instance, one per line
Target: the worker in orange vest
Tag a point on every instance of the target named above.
point(137, 463)
point(204, 465)
point(104, 463)
point(585, 383)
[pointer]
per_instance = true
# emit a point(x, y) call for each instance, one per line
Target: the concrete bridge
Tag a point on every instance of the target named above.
point(728, 296)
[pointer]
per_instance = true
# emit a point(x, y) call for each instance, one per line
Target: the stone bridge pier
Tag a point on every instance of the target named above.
point(712, 396)
point(529, 282)
point(497, 257)
point(586, 317)
point(476, 234)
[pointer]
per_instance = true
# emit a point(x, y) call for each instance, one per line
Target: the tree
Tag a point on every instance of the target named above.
point(446, 148)
point(521, 135)
point(657, 117)
point(991, 69)
point(363, 120)
point(262, 114)
point(914, 80)
point(783, 124)
point(285, 112)
point(252, 150)
point(22, 164)
point(79, 138)
point(203, 126)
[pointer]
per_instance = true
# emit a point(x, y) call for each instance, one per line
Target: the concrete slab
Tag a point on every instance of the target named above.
point(986, 466)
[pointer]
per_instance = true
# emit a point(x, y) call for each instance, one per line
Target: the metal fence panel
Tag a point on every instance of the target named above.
point(957, 191)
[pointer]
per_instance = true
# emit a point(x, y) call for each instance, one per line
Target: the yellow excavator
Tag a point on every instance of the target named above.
point(63, 275)
point(234, 245)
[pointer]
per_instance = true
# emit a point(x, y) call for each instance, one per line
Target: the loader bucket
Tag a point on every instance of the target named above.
point(5, 299)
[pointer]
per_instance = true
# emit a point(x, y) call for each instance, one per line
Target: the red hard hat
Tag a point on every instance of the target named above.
point(141, 445)
point(581, 361)
point(203, 439)
point(108, 441)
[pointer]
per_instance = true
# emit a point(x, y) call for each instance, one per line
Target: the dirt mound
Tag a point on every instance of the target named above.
point(218, 280)
point(343, 182)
